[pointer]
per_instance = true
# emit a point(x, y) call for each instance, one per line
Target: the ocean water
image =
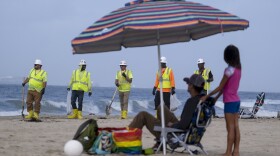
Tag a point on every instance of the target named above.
point(54, 101)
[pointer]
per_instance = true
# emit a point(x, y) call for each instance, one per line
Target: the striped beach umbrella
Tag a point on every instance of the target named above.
point(155, 22)
point(149, 22)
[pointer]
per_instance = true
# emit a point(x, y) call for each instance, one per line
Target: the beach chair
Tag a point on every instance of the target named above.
point(249, 112)
point(186, 139)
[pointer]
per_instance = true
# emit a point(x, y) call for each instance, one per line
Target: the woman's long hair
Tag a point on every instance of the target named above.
point(232, 57)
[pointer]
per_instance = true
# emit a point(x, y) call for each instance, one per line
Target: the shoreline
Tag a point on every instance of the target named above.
point(258, 136)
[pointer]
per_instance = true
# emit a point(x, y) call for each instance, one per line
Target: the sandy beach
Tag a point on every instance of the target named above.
point(259, 137)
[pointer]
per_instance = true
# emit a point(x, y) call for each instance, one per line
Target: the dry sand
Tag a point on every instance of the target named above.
point(259, 137)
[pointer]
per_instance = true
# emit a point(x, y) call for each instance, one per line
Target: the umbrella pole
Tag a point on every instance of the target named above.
point(163, 134)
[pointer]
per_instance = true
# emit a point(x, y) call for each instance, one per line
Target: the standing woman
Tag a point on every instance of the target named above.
point(229, 88)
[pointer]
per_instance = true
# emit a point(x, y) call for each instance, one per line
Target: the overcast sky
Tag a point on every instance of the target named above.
point(32, 29)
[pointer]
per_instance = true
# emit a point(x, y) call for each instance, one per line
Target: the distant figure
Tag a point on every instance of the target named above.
point(168, 84)
point(37, 80)
point(195, 85)
point(205, 73)
point(123, 81)
point(80, 83)
point(229, 88)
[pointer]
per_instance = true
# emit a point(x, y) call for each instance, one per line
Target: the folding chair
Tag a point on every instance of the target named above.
point(248, 112)
point(191, 137)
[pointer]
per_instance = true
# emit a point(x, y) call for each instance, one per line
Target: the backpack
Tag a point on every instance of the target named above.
point(203, 119)
point(86, 133)
point(103, 144)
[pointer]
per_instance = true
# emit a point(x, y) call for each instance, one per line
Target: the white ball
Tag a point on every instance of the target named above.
point(73, 148)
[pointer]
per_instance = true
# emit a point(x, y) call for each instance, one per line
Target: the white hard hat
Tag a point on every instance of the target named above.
point(123, 63)
point(37, 61)
point(83, 62)
point(200, 61)
point(163, 59)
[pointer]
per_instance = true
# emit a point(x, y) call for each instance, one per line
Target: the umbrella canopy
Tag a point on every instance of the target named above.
point(139, 22)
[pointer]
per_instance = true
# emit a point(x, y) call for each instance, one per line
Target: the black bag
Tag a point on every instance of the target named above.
point(87, 133)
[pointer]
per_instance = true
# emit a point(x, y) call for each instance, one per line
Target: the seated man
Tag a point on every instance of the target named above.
point(195, 86)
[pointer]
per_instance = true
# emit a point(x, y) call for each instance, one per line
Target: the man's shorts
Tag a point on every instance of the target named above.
point(232, 107)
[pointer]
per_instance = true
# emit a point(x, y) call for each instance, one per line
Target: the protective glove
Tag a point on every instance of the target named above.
point(117, 84)
point(154, 90)
point(43, 91)
point(124, 75)
point(89, 93)
point(23, 84)
point(68, 89)
point(173, 90)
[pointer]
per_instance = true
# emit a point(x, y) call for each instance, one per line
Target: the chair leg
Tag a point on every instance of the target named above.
point(159, 147)
point(182, 143)
point(241, 113)
point(202, 149)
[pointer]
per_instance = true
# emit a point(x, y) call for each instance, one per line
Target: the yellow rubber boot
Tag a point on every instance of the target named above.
point(80, 115)
point(74, 114)
point(124, 114)
point(36, 116)
point(121, 114)
point(30, 115)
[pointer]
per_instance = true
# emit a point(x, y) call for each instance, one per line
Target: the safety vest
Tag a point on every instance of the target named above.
point(80, 80)
point(205, 75)
point(36, 80)
point(165, 78)
point(124, 84)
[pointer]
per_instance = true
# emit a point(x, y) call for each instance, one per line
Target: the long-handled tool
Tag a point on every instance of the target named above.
point(68, 103)
point(108, 108)
point(22, 104)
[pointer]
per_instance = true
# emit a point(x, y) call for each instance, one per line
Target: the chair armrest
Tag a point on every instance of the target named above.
point(167, 129)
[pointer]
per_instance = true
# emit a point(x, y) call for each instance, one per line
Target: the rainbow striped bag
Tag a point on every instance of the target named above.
point(128, 141)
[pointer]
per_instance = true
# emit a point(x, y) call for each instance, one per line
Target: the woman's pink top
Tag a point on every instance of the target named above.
point(231, 87)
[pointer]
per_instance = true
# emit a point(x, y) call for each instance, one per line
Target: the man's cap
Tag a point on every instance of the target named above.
point(195, 79)
point(200, 61)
